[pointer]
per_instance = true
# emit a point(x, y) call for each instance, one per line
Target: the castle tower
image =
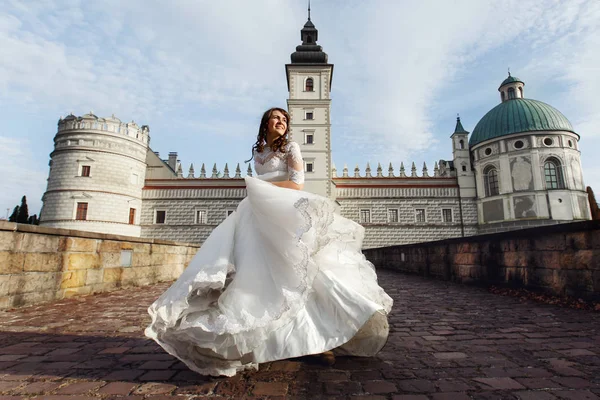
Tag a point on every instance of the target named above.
point(309, 104)
point(462, 161)
point(97, 172)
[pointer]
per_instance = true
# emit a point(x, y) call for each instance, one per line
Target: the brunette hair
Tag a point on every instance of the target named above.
point(261, 139)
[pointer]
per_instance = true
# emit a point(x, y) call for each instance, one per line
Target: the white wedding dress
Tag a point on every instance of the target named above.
point(281, 277)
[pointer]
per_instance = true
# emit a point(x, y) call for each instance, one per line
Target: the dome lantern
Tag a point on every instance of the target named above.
point(511, 88)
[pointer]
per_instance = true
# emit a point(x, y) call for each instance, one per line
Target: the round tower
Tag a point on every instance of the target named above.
point(97, 172)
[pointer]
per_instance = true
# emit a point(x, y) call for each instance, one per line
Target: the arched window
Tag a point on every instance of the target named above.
point(511, 93)
point(490, 178)
point(521, 92)
point(309, 84)
point(461, 144)
point(502, 95)
point(553, 174)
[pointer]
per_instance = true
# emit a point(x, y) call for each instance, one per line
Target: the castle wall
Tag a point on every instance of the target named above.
point(40, 264)
point(559, 259)
point(383, 228)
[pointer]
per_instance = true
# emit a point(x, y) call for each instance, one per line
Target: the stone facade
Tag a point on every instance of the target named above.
point(39, 264)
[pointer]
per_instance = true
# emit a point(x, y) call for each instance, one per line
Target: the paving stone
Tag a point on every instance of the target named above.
point(576, 395)
point(535, 395)
point(270, 389)
point(79, 387)
point(500, 383)
point(118, 388)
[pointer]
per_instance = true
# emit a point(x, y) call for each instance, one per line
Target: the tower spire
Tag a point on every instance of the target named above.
point(309, 10)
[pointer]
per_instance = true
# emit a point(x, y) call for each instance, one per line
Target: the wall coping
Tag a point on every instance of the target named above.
point(529, 233)
point(44, 230)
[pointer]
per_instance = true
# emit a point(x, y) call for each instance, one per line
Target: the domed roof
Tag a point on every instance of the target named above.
point(510, 79)
point(519, 115)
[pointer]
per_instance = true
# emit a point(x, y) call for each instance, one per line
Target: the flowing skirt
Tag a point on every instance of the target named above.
point(281, 277)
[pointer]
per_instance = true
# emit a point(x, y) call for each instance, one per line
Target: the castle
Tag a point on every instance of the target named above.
point(521, 167)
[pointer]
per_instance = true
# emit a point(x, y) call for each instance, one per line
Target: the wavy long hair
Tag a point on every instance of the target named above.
point(261, 139)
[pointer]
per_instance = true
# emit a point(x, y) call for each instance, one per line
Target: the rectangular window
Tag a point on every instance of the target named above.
point(160, 216)
point(419, 214)
point(365, 216)
point(309, 115)
point(447, 214)
point(309, 138)
point(392, 215)
point(201, 217)
point(310, 167)
point(134, 179)
point(81, 214)
point(131, 216)
point(85, 170)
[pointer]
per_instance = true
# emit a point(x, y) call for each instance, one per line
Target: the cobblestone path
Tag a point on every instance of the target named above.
point(448, 341)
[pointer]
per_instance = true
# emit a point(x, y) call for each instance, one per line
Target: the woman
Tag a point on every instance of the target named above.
point(281, 277)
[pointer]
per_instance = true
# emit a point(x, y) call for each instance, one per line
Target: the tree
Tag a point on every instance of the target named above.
point(15, 214)
point(23, 211)
point(593, 203)
point(33, 220)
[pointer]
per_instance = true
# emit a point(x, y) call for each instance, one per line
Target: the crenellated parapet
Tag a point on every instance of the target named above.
point(441, 168)
point(215, 173)
point(110, 125)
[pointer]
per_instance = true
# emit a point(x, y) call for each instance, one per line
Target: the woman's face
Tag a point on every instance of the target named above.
point(277, 123)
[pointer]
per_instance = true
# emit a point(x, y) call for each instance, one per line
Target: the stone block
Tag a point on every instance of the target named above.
point(139, 276)
point(11, 263)
point(27, 299)
point(465, 258)
point(110, 260)
point(112, 275)
point(141, 260)
point(43, 262)
point(141, 248)
point(579, 240)
point(94, 276)
point(551, 242)
point(81, 245)
point(75, 261)
point(175, 259)
point(35, 282)
point(110, 246)
point(546, 259)
point(580, 259)
point(8, 240)
point(159, 248)
point(515, 259)
point(73, 279)
point(158, 259)
point(8, 285)
point(35, 243)
point(78, 291)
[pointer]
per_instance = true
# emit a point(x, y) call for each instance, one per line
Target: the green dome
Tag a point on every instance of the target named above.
point(510, 79)
point(518, 115)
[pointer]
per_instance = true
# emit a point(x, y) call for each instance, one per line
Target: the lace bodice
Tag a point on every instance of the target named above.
point(278, 165)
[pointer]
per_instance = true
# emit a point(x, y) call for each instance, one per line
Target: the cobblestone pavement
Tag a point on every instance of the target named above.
point(447, 341)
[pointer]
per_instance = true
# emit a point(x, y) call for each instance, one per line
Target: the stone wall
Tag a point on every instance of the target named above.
point(39, 264)
point(560, 259)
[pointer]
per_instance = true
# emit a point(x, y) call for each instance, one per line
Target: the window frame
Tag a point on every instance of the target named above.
point(451, 215)
point(491, 184)
point(312, 166)
point(417, 215)
point(81, 210)
point(360, 215)
point(312, 84)
point(389, 220)
point(557, 181)
point(311, 113)
point(85, 171)
point(160, 210)
point(201, 221)
point(132, 212)
point(311, 135)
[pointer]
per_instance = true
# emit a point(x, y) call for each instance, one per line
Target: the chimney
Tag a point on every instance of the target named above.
point(173, 160)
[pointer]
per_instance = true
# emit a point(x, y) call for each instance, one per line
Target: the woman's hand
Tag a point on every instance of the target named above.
point(288, 185)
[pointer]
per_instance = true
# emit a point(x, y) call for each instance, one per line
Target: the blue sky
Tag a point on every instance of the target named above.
point(200, 74)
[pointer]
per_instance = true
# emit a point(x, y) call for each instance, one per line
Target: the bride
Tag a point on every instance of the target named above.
point(281, 277)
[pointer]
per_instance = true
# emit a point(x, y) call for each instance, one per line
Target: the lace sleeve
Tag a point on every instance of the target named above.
point(295, 164)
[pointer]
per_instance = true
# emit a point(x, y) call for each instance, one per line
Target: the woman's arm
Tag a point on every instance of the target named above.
point(295, 168)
